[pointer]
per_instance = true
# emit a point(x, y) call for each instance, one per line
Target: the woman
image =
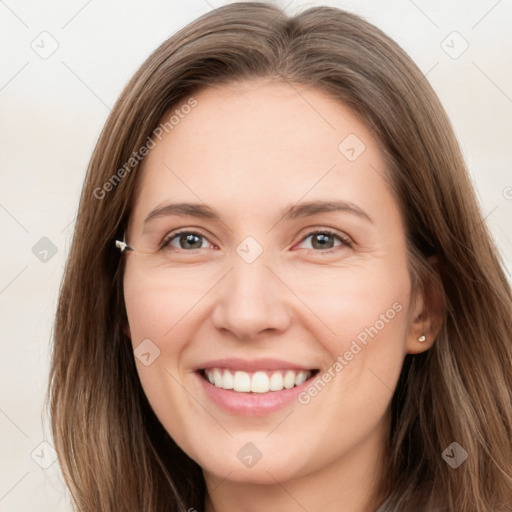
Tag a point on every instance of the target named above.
point(281, 294)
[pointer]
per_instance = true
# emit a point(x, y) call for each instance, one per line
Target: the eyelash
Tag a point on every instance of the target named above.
point(344, 240)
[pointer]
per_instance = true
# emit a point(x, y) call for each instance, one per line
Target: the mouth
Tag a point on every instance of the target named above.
point(259, 382)
point(253, 387)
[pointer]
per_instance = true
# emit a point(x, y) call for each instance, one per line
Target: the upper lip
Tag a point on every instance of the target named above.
point(252, 365)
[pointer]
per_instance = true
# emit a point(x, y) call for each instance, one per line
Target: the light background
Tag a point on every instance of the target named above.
point(52, 111)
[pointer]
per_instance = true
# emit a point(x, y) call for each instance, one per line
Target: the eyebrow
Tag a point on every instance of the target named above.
point(295, 211)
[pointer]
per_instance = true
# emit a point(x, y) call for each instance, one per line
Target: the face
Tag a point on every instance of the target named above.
point(269, 312)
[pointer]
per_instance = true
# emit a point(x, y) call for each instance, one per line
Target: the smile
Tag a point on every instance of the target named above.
point(253, 387)
point(256, 382)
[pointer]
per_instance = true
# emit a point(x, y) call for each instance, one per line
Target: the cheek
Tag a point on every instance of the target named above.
point(160, 314)
point(365, 355)
point(159, 306)
point(151, 313)
point(366, 311)
point(359, 302)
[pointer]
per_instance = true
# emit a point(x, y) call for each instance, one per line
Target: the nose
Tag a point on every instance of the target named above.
point(252, 302)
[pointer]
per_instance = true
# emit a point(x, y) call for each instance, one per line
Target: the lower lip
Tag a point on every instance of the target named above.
point(251, 404)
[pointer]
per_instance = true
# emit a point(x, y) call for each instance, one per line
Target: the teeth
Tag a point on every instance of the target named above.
point(276, 381)
point(228, 381)
point(289, 379)
point(258, 382)
point(301, 377)
point(217, 377)
point(242, 382)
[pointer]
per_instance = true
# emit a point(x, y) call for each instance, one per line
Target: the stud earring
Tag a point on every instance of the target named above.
point(422, 338)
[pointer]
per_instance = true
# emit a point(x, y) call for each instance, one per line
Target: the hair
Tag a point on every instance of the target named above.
point(114, 453)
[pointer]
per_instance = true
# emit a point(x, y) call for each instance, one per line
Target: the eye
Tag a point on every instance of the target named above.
point(186, 240)
point(325, 241)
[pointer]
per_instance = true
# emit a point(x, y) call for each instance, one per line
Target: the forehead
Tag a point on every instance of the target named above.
point(245, 142)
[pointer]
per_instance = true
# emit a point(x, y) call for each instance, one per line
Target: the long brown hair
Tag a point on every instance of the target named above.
point(114, 453)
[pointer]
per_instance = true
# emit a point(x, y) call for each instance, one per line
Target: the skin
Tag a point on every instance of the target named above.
point(248, 151)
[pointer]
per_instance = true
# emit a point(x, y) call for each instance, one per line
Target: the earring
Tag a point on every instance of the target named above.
point(122, 245)
point(422, 338)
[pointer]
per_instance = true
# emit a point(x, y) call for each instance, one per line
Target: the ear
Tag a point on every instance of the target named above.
point(427, 314)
